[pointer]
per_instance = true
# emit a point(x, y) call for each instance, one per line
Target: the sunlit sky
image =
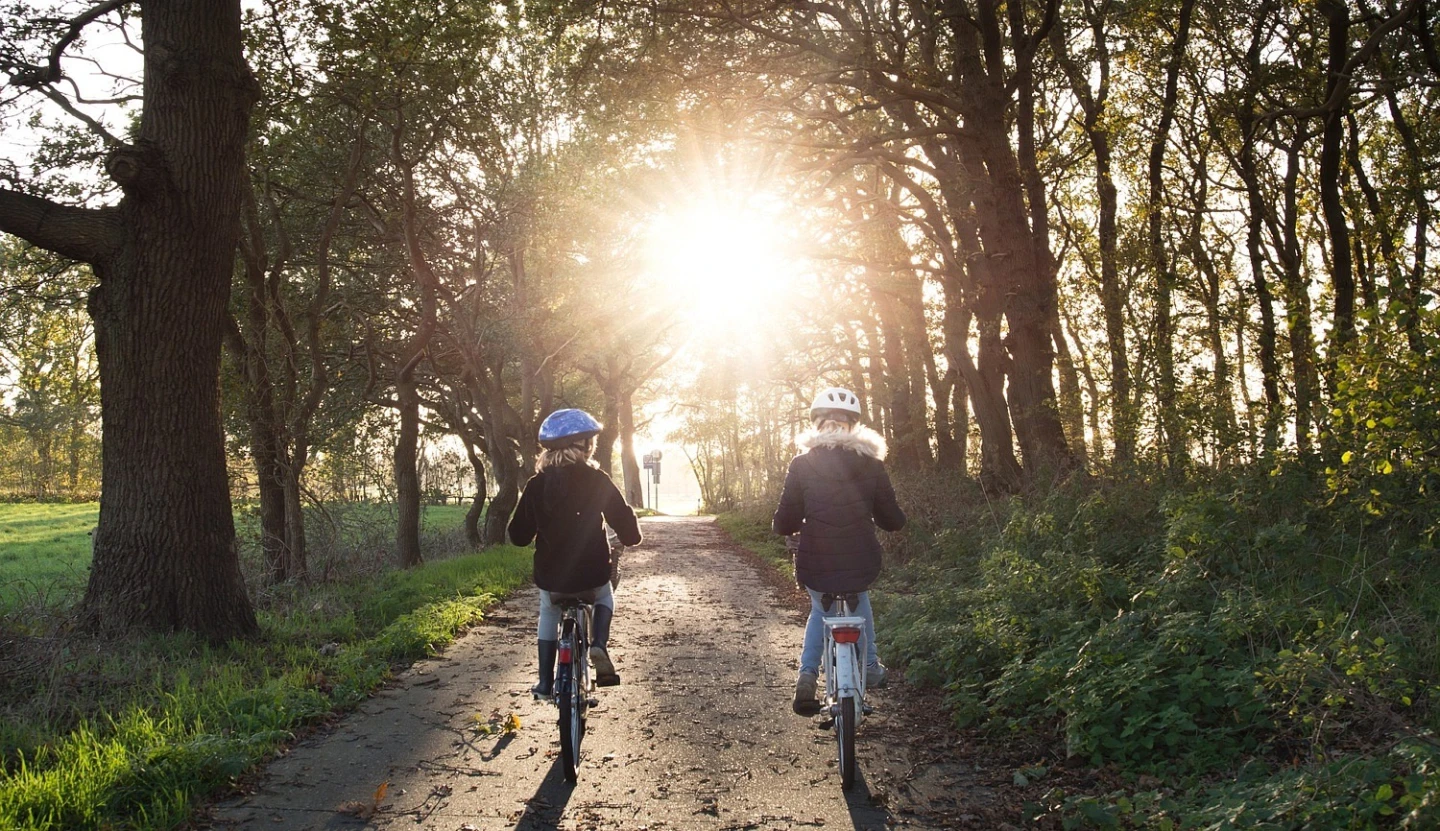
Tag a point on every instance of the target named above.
point(726, 260)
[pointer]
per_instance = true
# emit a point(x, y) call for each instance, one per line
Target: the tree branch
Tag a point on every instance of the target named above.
point(50, 73)
point(83, 234)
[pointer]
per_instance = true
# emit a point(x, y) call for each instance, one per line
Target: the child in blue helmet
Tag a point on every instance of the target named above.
point(564, 509)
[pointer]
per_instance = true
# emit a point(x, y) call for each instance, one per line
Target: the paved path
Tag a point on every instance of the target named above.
point(699, 735)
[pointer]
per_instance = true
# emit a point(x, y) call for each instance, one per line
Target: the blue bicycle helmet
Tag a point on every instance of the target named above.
point(564, 427)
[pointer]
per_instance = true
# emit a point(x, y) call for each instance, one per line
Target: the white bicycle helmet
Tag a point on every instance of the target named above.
point(838, 401)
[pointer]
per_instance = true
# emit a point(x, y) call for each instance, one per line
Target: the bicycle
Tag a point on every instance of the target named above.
point(844, 666)
point(573, 684)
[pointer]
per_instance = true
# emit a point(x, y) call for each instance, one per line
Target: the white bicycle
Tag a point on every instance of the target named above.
point(844, 668)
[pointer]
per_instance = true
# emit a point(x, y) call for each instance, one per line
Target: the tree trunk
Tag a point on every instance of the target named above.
point(265, 452)
point(407, 474)
point(1248, 169)
point(507, 488)
point(634, 484)
point(1072, 408)
point(165, 555)
point(1342, 276)
point(1170, 425)
point(609, 419)
point(1297, 303)
point(296, 549)
point(477, 507)
point(1112, 299)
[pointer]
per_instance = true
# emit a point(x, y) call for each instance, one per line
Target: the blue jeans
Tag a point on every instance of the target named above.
point(815, 632)
point(548, 627)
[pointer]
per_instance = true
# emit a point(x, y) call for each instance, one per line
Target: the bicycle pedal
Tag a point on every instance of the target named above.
point(825, 724)
point(611, 680)
point(592, 702)
point(866, 709)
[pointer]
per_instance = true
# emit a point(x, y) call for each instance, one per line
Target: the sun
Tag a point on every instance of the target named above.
point(721, 263)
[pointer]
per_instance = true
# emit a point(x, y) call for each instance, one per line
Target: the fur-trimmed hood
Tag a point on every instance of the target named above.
point(860, 440)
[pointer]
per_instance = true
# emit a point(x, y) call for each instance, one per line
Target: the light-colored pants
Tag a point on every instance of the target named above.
point(815, 631)
point(549, 627)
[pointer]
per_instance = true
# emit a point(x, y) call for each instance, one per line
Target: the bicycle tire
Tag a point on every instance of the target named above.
point(572, 701)
point(845, 738)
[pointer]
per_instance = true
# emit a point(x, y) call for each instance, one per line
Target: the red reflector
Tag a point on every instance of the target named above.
point(564, 655)
point(846, 634)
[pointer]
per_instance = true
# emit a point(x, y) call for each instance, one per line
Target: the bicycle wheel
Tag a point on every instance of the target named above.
point(572, 704)
point(845, 738)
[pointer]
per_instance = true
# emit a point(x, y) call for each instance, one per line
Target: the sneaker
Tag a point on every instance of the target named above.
point(875, 676)
point(600, 661)
point(805, 703)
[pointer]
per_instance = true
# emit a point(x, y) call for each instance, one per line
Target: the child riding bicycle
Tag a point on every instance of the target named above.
point(836, 493)
point(565, 509)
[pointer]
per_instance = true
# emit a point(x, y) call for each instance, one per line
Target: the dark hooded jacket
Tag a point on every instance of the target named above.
point(561, 509)
point(836, 493)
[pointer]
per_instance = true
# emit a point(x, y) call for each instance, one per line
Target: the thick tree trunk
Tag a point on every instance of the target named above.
point(165, 553)
point(507, 489)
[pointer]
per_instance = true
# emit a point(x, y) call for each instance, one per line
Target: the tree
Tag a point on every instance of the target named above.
point(165, 553)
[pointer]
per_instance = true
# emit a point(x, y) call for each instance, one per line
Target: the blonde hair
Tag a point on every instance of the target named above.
point(833, 425)
point(570, 454)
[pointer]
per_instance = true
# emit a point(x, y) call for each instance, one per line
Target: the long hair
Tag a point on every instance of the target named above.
point(571, 454)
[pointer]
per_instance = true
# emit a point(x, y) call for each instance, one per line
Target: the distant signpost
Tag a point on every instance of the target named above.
point(651, 461)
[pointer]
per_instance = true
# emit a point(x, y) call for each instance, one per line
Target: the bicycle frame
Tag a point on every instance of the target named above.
point(844, 679)
point(573, 683)
point(844, 657)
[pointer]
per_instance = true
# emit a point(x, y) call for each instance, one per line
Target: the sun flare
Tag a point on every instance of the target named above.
point(719, 265)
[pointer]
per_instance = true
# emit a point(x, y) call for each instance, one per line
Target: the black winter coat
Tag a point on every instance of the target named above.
point(835, 494)
point(561, 510)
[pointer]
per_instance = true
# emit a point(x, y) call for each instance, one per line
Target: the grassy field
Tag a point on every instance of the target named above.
point(44, 549)
point(135, 733)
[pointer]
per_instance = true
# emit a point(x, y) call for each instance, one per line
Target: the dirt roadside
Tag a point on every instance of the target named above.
point(699, 735)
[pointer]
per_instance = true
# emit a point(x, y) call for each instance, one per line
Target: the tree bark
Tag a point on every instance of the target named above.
point(477, 507)
point(634, 484)
point(1112, 300)
point(1160, 266)
point(165, 555)
point(1342, 275)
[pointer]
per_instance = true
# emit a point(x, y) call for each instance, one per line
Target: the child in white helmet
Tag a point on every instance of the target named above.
point(836, 493)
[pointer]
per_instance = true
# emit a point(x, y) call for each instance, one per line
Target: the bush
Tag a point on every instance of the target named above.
point(1244, 633)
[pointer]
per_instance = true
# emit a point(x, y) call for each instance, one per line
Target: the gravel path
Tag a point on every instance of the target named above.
point(699, 735)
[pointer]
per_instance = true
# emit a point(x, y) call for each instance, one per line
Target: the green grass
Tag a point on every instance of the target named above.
point(44, 548)
point(133, 735)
